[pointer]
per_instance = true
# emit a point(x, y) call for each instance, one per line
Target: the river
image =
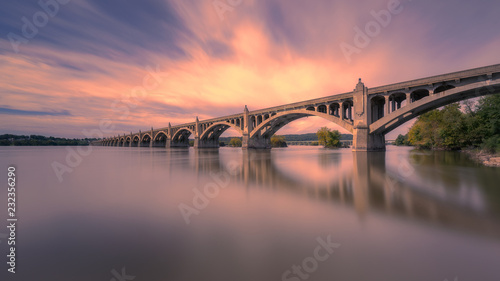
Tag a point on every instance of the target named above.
point(296, 213)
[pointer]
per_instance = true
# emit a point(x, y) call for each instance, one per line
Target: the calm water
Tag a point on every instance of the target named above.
point(253, 215)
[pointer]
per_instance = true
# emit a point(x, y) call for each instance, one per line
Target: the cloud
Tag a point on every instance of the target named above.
point(262, 54)
point(11, 111)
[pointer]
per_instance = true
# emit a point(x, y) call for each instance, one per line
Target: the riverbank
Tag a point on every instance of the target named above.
point(485, 158)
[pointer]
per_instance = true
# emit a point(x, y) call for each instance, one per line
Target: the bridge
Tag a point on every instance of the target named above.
point(368, 113)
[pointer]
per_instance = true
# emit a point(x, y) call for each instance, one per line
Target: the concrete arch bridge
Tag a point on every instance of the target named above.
point(368, 113)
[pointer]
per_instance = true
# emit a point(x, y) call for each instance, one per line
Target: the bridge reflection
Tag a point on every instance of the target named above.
point(361, 181)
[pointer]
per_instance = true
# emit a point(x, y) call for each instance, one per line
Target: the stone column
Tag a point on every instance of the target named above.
point(362, 139)
point(387, 105)
point(168, 142)
point(152, 138)
point(197, 133)
point(246, 129)
point(139, 143)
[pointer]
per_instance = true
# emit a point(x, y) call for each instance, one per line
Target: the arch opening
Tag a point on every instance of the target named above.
point(259, 120)
point(135, 141)
point(377, 105)
point(289, 121)
point(181, 138)
point(347, 110)
point(210, 137)
point(396, 101)
point(443, 88)
point(160, 140)
point(146, 141)
point(334, 109)
point(419, 94)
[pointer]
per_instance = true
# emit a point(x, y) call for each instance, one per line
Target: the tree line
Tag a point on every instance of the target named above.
point(37, 140)
point(477, 125)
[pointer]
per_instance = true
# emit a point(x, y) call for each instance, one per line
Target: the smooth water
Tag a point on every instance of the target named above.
point(227, 214)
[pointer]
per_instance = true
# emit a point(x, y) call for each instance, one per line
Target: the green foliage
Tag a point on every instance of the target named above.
point(278, 141)
point(328, 138)
point(402, 140)
point(450, 128)
point(235, 142)
point(36, 140)
point(488, 116)
point(440, 129)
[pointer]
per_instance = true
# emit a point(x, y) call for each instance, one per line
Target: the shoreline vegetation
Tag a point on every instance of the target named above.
point(474, 130)
point(37, 140)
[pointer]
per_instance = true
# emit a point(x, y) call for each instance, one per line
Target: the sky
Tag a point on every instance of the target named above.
point(69, 66)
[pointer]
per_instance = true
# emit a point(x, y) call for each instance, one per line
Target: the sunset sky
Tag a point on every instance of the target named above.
point(86, 60)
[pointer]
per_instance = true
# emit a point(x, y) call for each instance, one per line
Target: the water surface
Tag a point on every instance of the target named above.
point(397, 215)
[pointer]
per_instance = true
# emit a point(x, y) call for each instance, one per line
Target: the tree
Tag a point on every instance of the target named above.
point(328, 138)
point(235, 142)
point(278, 141)
point(401, 140)
point(440, 129)
point(488, 122)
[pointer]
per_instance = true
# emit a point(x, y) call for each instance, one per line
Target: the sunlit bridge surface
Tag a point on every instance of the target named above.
point(232, 214)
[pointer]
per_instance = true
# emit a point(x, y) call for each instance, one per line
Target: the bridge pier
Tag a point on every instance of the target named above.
point(364, 141)
point(256, 142)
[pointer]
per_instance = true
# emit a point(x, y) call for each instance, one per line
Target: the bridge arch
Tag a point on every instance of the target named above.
point(160, 139)
point(145, 136)
point(419, 94)
point(215, 130)
point(181, 137)
point(377, 104)
point(128, 140)
point(396, 101)
point(428, 103)
point(145, 140)
point(135, 141)
point(270, 126)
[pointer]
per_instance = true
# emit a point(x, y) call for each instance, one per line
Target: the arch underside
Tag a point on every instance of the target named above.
point(160, 135)
point(417, 108)
point(182, 136)
point(278, 121)
point(146, 137)
point(217, 129)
